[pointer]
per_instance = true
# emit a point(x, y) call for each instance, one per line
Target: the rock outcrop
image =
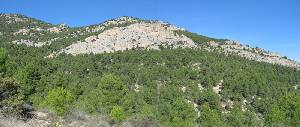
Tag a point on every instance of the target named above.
point(58, 29)
point(13, 18)
point(121, 21)
point(138, 35)
point(256, 54)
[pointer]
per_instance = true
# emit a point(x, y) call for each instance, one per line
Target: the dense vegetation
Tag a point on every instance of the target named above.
point(159, 86)
point(69, 82)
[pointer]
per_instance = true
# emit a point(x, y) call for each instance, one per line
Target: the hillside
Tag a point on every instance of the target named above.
point(121, 34)
point(133, 72)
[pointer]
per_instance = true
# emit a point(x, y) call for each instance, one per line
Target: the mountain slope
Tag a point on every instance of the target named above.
point(176, 79)
point(124, 33)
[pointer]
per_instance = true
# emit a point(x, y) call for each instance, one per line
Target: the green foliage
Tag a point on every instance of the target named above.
point(209, 117)
point(290, 104)
point(109, 92)
point(112, 90)
point(182, 113)
point(93, 105)
point(148, 111)
point(3, 58)
point(148, 84)
point(211, 98)
point(275, 117)
point(132, 102)
point(28, 78)
point(236, 117)
point(11, 98)
point(285, 112)
point(242, 118)
point(58, 100)
point(118, 114)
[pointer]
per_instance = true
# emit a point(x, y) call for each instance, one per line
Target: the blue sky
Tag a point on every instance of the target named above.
point(270, 24)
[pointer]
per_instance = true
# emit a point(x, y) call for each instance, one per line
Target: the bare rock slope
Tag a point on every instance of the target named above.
point(257, 54)
point(138, 35)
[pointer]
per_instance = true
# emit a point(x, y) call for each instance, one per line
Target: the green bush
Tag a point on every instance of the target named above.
point(11, 99)
point(3, 58)
point(209, 97)
point(118, 114)
point(182, 113)
point(275, 117)
point(109, 92)
point(209, 117)
point(285, 112)
point(112, 89)
point(58, 100)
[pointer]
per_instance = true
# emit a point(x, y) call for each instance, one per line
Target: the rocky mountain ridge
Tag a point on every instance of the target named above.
point(257, 54)
point(122, 34)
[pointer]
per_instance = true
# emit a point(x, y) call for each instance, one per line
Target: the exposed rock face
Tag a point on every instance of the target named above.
point(256, 54)
point(34, 44)
point(57, 29)
point(26, 42)
point(22, 31)
point(143, 35)
point(13, 18)
point(115, 22)
point(30, 31)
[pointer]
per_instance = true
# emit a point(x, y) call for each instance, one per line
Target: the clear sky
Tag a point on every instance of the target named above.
point(270, 24)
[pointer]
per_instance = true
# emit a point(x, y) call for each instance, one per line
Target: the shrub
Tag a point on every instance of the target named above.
point(3, 58)
point(285, 112)
point(182, 113)
point(58, 100)
point(209, 117)
point(275, 116)
point(11, 99)
point(108, 93)
point(118, 114)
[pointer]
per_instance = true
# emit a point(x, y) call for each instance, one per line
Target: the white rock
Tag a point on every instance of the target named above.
point(296, 87)
point(58, 29)
point(217, 89)
point(200, 87)
point(22, 31)
point(256, 54)
point(183, 89)
point(144, 35)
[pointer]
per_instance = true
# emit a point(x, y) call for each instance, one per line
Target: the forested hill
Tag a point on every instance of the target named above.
point(133, 72)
